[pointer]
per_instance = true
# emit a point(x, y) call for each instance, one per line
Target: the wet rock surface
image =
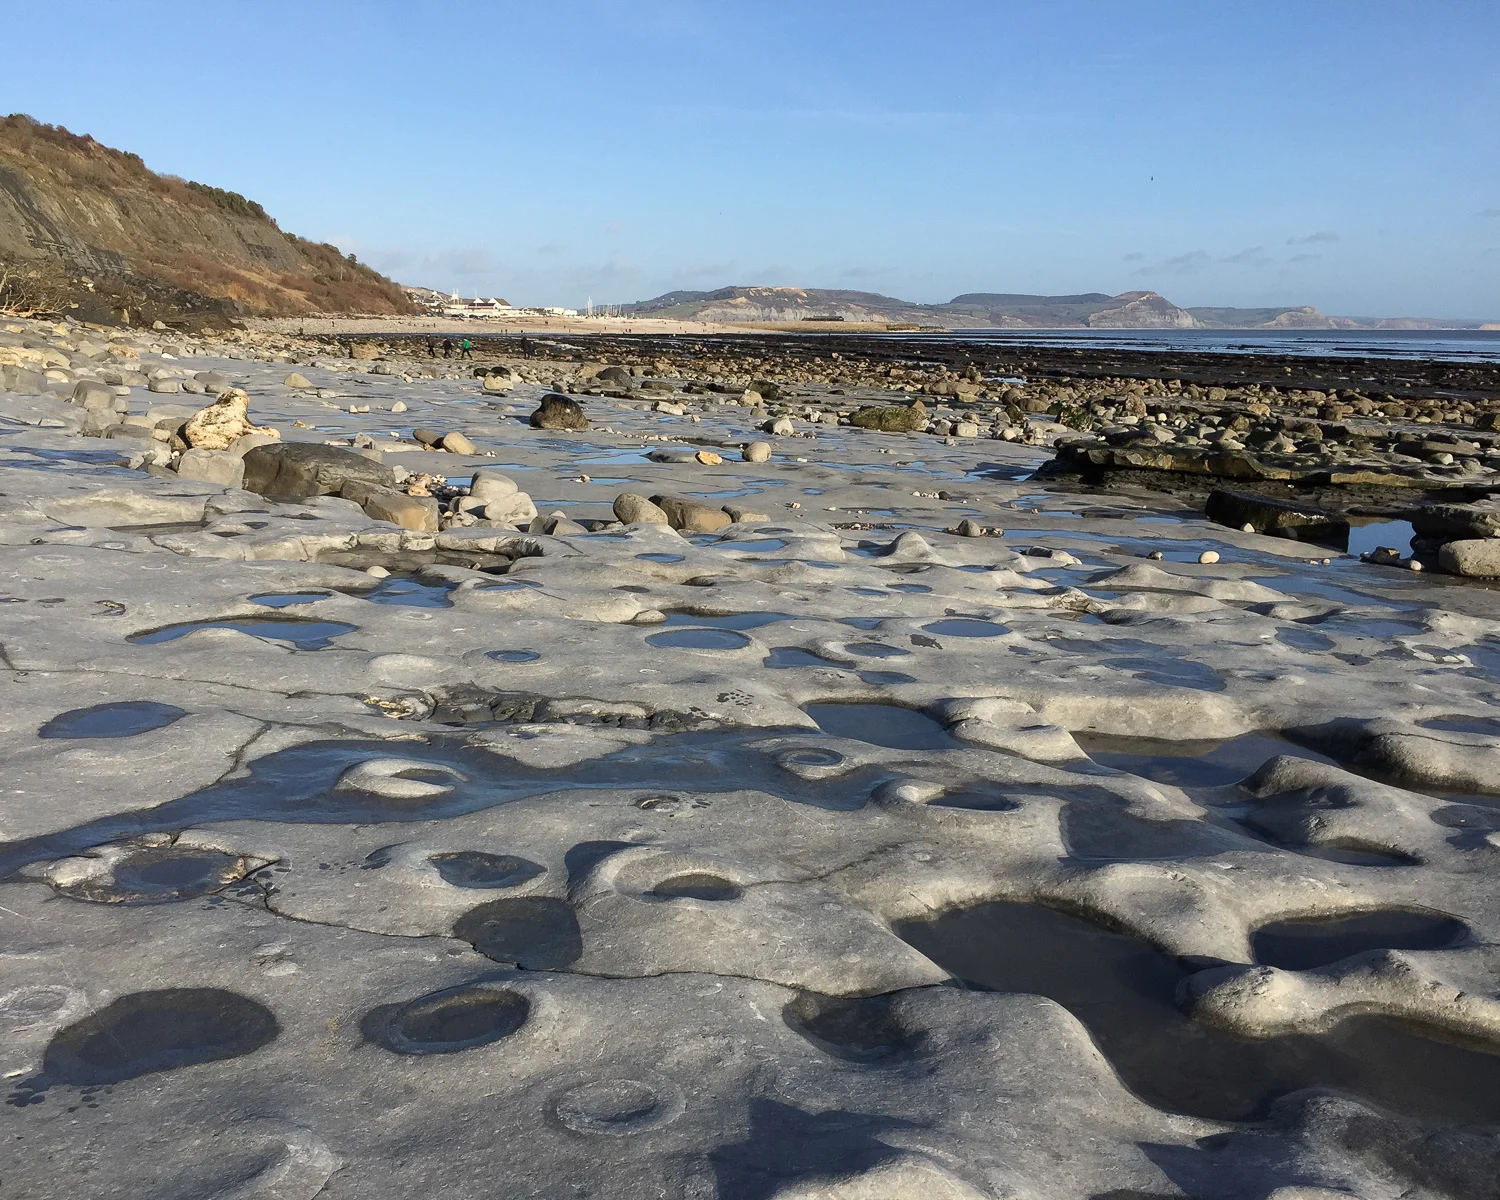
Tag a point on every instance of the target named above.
point(759, 839)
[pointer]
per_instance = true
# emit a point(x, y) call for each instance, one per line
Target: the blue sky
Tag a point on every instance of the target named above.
point(1344, 153)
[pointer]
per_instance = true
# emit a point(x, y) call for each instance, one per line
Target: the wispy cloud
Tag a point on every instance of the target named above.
point(458, 262)
point(1313, 239)
point(1134, 256)
point(551, 249)
point(719, 274)
point(1489, 214)
point(476, 271)
point(1301, 258)
point(1182, 264)
point(1253, 256)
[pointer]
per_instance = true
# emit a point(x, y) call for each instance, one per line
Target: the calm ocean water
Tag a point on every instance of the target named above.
point(1446, 345)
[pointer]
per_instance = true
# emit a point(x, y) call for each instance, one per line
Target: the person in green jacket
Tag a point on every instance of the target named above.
point(467, 349)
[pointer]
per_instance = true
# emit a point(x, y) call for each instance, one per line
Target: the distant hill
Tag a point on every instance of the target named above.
point(91, 229)
point(1000, 310)
point(780, 304)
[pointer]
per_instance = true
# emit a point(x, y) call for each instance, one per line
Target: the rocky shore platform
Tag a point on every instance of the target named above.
point(645, 768)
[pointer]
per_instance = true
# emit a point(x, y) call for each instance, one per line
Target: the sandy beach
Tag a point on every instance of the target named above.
point(605, 326)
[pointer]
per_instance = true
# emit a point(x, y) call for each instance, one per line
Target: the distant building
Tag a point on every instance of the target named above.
point(454, 306)
point(477, 307)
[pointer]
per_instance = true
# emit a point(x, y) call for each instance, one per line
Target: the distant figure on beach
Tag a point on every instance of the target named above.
point(527, 348)
point(447, 347)
point(467, 347)
point(431, 349)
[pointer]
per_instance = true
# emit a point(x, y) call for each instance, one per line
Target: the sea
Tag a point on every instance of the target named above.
point(1419, 345)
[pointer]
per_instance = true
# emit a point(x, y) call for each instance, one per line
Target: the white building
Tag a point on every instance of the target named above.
point(477, 307)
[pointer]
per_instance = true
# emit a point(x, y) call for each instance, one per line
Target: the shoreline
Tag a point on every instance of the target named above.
point(404, 326)
point(376, 325)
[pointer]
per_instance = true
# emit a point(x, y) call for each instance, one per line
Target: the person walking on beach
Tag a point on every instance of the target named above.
point(431, 349)
point(447, 347)
point(467, 348)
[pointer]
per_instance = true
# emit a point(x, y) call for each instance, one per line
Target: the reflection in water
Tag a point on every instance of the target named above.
point(1127, 994)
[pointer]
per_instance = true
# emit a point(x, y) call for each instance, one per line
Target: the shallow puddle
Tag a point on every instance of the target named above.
point(790, 656)
point(697, 885)
point(299, 785)
point(1353, 625)
point(536, 933)
point(287, 599)
point(750, 545)
point(1189, 763)
point(698, 639)
point(1488, 726)
point(882, 725)
point(126, 719)
point(976, 800)
point(1301, 945)
point(1300, 638)
point(752, 620)
point(447, 1022)
point(512, 656)
point(410, 593)
point(303, 634)
point(1169, 671)
point(1099, 829)
point(1125, 992)
point(855, 1028)
point(147, 1032)
point(160, 528)
point(159, 875)
point(1367, 535)
point(966, 627)
point(478, 869)
point(875, 650)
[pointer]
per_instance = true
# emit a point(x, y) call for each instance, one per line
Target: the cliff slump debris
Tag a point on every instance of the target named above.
point(998, 310)
point(90, 229)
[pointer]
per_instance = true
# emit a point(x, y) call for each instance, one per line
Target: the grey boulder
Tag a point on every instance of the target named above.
point(559, 412)
point(300, 470)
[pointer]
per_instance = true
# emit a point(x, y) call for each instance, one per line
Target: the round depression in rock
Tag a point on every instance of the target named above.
point(860, 1029)
point(147, 1032)
point(966, 627)
point(513, 656)
point(160, 875)
point(698, 639)
point(875, 650)
point(697, 885)
point(537, 933)
point(449, 1021)
point(478, 869)
point(112, 720)
point(1301, 945)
